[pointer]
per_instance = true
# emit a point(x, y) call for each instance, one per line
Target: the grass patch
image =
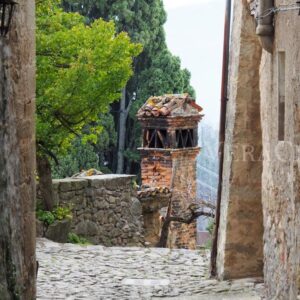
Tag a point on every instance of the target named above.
point(73, 238)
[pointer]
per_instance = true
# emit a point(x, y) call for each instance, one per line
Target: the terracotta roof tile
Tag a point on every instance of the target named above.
point(169, 105)
point(153, 191)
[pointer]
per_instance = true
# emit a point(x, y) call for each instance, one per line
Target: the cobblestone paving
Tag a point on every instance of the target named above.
point(69, 271)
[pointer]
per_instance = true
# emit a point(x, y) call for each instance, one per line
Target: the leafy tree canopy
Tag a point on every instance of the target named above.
point(164, 76)
point(141, 19)
point(156, 70)
point(80, 70)
point(84, 156)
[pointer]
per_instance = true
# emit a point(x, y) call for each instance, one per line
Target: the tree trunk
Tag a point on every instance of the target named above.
point(122, 132)
point(193, 212)
point(45, 181)
point(164, 235)
point(17, 157)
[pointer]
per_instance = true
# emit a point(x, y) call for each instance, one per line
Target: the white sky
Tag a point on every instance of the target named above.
point(194, 32)
point(171, 4)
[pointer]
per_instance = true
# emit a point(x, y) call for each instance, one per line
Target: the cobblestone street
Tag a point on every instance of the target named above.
point(68, 271)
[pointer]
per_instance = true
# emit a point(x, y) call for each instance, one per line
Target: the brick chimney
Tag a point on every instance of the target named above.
point(168, 154)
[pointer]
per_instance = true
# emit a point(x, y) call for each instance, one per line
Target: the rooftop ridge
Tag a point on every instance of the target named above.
point(170, 105)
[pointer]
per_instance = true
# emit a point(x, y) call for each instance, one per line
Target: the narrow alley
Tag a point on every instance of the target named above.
point(68, 271)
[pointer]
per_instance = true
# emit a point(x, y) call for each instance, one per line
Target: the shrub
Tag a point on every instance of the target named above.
point(73, 238)
point(46, 217)
point(59, 213)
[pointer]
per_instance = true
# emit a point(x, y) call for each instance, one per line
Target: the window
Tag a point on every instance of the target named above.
point(185, 138)
point(155, 138)
point(281, 96)
point(162, 139)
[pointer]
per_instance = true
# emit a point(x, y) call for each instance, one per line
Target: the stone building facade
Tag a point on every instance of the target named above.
point(105, 209)
point(260, 215)
point(17, 156)
point(168, 154)
point(240, 245)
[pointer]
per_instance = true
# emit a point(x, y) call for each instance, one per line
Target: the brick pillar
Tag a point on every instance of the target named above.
point(184, 193)
point(176, 169)
point(170, 139)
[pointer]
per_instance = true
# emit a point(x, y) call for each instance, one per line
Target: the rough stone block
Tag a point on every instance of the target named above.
point(87, 228)
point(58, 231)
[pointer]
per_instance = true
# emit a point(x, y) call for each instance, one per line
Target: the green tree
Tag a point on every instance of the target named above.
point(80, 70)
point(79, 157)
point(84, 155)
point(164, 76)
point(156, 70)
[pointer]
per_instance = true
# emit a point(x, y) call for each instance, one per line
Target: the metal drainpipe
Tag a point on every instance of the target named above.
point(224, 99)
point(265, 28)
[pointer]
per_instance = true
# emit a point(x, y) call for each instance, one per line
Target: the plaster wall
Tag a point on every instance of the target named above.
point(240, 240)
point(280, 180)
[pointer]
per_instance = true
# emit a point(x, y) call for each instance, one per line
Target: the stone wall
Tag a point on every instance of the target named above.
point(240, 241)
point(17, 156)
point(278, 74)
point(281, 194)
point(105, 209)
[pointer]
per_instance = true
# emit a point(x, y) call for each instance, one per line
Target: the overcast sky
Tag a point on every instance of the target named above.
point(194, 32)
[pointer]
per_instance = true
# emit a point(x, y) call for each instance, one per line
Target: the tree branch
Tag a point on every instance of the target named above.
point(48, 152)
point(194, 211)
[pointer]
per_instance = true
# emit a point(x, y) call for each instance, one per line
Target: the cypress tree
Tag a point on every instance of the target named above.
point(156, 70)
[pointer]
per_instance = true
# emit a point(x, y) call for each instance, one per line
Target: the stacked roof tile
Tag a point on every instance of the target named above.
point(170, 105)
point(153, 191)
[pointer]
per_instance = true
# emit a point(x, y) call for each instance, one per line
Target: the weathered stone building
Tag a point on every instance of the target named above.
point(259, 224)
point(169, 151)
point(17, 156)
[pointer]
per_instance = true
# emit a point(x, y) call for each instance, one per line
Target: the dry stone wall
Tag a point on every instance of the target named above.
point(105, 209)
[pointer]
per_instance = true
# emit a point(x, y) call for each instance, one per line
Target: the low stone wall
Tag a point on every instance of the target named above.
point(105, 209)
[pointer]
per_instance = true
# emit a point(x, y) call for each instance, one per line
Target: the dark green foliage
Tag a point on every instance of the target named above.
point(79, 157)
point(164, 77)
point(73, 238)
point(49, 217)
point(46, 217)
point(81, 70)
point(156, 70)
point(83, 155)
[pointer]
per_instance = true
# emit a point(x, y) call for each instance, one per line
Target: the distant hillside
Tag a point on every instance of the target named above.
point(207, 173)
point(207, 164)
